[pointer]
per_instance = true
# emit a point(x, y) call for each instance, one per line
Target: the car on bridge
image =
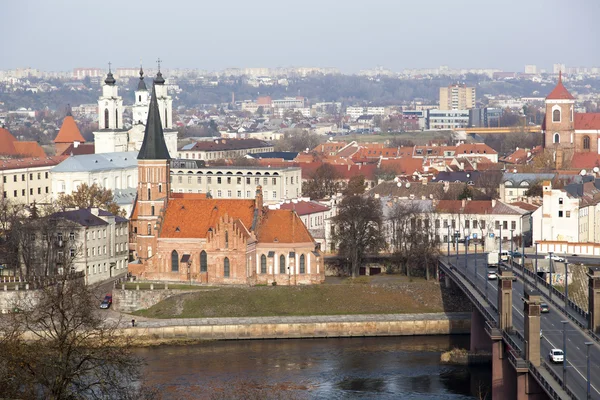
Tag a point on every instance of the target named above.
point(517, 254)
point(555, 258)
point(492, 275)
point(544, 308)
point(556, 356)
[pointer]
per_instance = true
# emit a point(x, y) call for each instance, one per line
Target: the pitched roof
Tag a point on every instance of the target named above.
point(82, 216)
point(473, 148)
point(519, 156)
point(587, 121)
point(304, 207)
point(86, 148)
point(69, 132)
point(154, 146)
point(29, 149)
point(6, 142)
point(404, 165)
point(191, 217)
point(585, 160)
point(17, 163)
point(560, 92)
point(282, 226)
point(229, 144)
point(98, 162)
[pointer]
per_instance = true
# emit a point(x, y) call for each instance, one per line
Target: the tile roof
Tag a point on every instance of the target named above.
point(525, 206)
point(87, 148)
point(192, 217)
point(6, 142)
point(229, 144)
point(560, 92)
point(98, 162)
point(69, 132)
point(474, 148)
point(32, 162)
point(304, 207)
point(587, 160)
point(519, 156)
point(587, 121)
point(403, 165)
point(282, 226)
point(29, 149)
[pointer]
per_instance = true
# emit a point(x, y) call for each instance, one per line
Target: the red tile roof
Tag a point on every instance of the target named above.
point(585, 160)
point(404, 165)
point(282, 226)
point(474, 148)
point(192, 216)
point(87, 148)
point(31, 162)
point(525, 206)
point(6, 142)
point(587, 121)
point(449, 206)
point(304, 207)
point(478, 207)
point(69, 132)
point(560, 92)
point(29, 149)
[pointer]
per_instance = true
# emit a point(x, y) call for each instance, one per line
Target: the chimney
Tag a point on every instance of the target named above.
point(464, 203)
point(259, 198)
point(424, 180)
point(94, 211)
point(493, 203)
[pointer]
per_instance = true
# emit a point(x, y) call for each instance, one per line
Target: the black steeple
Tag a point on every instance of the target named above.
point(159, 80)
point(110, 79)
point(142, 84)
point(154, 146)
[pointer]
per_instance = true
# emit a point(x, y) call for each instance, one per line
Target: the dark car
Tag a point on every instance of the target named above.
point(544, 308)
point(517, 254)
point(106, 302)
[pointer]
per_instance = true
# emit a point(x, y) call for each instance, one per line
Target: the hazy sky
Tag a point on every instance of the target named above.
point(347, 34)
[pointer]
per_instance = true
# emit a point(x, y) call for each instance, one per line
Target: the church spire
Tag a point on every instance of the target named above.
point(154, 146)
point(141, 84)
point(110, 79)
point(159, 80)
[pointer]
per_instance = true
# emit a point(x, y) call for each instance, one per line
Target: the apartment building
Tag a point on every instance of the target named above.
point(448, 119)
point(218, 149)
point(27, 180)
point(457, 97)
point(278, 184)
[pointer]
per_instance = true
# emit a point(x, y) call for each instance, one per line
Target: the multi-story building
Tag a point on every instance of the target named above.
point(289, 102)
point(457, 97)
point(28, 180)
point(278, 184)
point(218, 149)
point(448, 119)
point(558, 218)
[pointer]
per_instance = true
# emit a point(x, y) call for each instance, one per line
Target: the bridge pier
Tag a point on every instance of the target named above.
point(480, 341)
point(594, 299)
point(505, 278)
point(498, 356)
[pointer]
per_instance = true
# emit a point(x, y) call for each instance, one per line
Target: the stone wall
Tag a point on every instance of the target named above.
point(11, 299)
point(132, 300)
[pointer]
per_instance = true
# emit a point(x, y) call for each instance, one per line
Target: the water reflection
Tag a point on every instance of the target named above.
point(381, 368)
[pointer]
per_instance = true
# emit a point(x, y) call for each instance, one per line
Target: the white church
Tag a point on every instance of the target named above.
point(111, 136)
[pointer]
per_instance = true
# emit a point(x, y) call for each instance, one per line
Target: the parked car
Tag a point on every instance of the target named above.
point(556, 356)
point(517, 254)
point(106, 302)
point(555, 258)
point(492, 275)
point(544, 308)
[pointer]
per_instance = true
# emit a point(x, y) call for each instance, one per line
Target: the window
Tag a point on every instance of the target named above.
point(229, 193)
point(474, 224)
point(263, 264)
point(453, 224)
point(228, 180)
point(556, 138)
point(152, 210)
point(239, 180)
point(239, 193)
point(23, 177)
point(104, 249)
point(445, 223)
point(179, 179)
point(247, 193)
point(149, 229)
point(40, 190)
point(149, 194)
point(14, 178)
point(482, 224)
point(203, 262)
point(497, 224)
point(437, 223)
point(556, 116)
point(247, 181)
point(219, 193)
point(265, 180)
point(199, 179)
point(209, 179)
point(282, 264)
point(219, 179)
point(302, 264)
point(189, 179)
point(226, 239)
point(586, 142)
point(257, 181)
point(467, 224)
point(72, 236)
point(560, 214)
point(31, 191)
point(513, 224)
point(106, 118)
point(30, 177)
point(504, 224)
point(568, 214)
point(560, 200)
point(226, 267)
point(274, 194)
point(274, 181)
point(174, 261)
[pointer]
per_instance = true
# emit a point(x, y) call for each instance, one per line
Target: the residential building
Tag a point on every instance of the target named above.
point(447, 119)
point(558, 218)
point(218, 149)
point(28, 180)
point(457, 97)
point(514, 186)
point(191, 237)
point(289, 102)
point(230, 182)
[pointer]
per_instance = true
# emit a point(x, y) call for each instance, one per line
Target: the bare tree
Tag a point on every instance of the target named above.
point(90, 196)
point(322, 184)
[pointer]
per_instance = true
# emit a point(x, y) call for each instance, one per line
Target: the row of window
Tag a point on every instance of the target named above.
point(23, 176)
point(223, 154)
point(226, 266)
point(24, 192)
point(265, 181)
point(99, 268)
point(586, 141)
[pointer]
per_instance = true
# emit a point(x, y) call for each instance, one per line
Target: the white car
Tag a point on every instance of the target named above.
point(555, 258)
point(556, 356)
point(492, 275)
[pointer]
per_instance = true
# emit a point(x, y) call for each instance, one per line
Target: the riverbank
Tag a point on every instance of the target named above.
point(177, 331)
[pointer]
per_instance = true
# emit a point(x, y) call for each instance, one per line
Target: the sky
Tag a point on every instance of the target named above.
point(347, 34)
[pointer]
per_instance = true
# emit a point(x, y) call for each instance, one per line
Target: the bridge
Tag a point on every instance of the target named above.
point(507, 322)
point(510, 129)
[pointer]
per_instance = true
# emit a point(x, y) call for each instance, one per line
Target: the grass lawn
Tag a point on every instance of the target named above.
point(363, 296)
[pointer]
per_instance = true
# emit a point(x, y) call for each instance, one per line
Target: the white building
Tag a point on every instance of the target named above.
point(558, 218)
point(448, 119)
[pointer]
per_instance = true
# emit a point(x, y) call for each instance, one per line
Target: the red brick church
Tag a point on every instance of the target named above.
point(190, 237)
point(566, 130)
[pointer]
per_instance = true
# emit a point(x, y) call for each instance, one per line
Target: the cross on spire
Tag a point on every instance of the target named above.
point(109, 65)
point(158, 62)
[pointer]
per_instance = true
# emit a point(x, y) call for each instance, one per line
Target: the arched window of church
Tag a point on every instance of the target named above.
point(152, 210)
point(140, 98)
point(106, 118)
point(226, 239)
point(117, 119)
point(159, 188)
point(166, 118)
point(282, 264)
point(149, 229)
point(203, 262)
point(302, 264)
point(556, 138)
point(263, 264)
point(586, 142)
point(174, 261)
point(556, 116)
point(226, 267)
point(149, 194)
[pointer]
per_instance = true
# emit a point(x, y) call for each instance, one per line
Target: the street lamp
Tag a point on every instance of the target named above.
point(448, 242)
point(466, 252)
point(536, 268)
point(564, 353)
point(566, 285)
point(589, 385)
point(500, 251)
point(475, 268)
point(550, 267)
point(512, 260)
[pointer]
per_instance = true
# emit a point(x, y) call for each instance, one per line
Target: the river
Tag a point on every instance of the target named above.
point(347, 368)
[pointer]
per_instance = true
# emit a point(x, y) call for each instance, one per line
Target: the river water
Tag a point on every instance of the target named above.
point(345, 368)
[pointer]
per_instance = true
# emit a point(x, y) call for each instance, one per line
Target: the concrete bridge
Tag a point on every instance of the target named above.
point(506, 321)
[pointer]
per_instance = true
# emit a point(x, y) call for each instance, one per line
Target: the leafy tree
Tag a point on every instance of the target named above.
point(58, 347)
point(322, 184)
point(358, 229)
point(535, 190)
point(356, 186)
point(90, 196)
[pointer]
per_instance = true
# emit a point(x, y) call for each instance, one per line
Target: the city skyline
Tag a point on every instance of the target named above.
point(271, 34)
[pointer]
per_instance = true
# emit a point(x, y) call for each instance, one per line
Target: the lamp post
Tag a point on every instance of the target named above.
point(589, 384)
point(512, 260)
point(456, 235)
point(550, 267)
point(475, 268)
point(566, 285)
point(564, 323)
point(448, 242)
point(466, 253)
point(535, 278)
point(500, 251)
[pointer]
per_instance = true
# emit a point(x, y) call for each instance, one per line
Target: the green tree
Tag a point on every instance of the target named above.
point(357, 229)
point(466, 193)
point(90, 196)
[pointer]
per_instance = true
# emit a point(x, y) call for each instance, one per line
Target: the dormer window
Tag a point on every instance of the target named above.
point(556, 116)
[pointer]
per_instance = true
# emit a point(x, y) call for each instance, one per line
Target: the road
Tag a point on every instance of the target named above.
point(552, 328)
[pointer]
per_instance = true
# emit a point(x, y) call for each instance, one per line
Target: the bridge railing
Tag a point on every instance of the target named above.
point(558, 379)
point(544, 382)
